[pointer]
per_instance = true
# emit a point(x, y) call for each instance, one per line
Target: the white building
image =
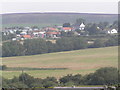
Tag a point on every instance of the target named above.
point(82, 27)
point(23, 33)
point(113, 31)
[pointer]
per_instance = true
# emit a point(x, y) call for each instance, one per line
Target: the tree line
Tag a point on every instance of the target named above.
point(40, 46)
point(102, 76)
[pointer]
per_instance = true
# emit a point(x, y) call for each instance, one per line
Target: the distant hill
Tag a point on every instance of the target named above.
point(54, 18)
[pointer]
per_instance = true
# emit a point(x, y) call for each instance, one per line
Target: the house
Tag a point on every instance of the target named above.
point(52, 29)
point(39, 34)
point(11, 31)
point(82, 27)
point(113, 31)
point(36, 34)
point(26, 36)
point(14, 39)
point(42, 34)
point(52, 34)
point(66, 29)
point(23, 33)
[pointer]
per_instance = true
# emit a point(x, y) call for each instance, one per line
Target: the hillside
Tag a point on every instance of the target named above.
point(44, 19)
point(77, 61)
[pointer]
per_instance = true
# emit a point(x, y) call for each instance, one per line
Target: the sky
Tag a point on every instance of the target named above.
point(80, 6)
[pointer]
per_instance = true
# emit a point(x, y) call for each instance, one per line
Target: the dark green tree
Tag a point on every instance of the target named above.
point(26, 79)
point(98, 43)
point(79, 21)
point(35, 46)
point(66, 25)
point(103, 76)
point(12, 48)
point(93, 30)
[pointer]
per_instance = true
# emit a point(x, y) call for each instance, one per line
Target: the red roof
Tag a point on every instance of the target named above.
point(53, 32)
point(26, 36)
point(67, 28)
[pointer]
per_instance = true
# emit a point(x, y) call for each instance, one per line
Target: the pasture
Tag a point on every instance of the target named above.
point(78, 61)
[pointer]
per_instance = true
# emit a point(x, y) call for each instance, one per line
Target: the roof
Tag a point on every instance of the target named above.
point(53, 33)
point(54, 29)
point(82, 25)
point(67, 28)
point(26, 36)
point(114, 29)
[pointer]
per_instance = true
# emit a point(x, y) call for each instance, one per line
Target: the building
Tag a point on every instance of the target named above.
point(113, 31)
point(82, 27)
point(66, 29)
point(26, 36)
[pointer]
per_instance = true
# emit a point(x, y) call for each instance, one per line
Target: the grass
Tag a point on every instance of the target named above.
point(78, 61)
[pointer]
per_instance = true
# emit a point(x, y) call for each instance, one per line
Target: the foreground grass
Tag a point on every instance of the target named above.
point(77, 61)
point(45, 73)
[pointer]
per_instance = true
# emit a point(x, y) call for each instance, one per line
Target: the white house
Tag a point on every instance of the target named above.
point(11, 31)
point(82, 27)
point(35, 33)
point(23, 33)
point(113, 31)
point(14, 39)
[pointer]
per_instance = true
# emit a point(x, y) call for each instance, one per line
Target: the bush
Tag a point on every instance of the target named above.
point(107, 75)
point(102, 76)
point(4, 67)
point(98, 43)
point(71, 80)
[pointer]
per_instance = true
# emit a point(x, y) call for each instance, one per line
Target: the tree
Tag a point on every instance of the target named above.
point(103, 25)
point(115, 24)
point(8, 37)
point(79, 21)
point(65, 44)
point(112, 41)
point(4, 67)
point(70, 80)
point(26, 79)
point(50, 46)
point(98, 43)
point(66, 25)
point(102, 76)
point(12, 48)
point(50, 82)
point(16, 85)
point(79, 43)
point(93, 30)
point(35, 46)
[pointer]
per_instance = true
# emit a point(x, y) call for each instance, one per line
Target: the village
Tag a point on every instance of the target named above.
point(53, 31)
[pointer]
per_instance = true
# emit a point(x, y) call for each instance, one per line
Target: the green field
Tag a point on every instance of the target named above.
point(78, 61)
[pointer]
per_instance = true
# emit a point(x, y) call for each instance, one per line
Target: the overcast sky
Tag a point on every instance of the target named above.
point(88, 6)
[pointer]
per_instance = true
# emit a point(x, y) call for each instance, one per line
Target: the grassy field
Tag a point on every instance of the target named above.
point(77, 61)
